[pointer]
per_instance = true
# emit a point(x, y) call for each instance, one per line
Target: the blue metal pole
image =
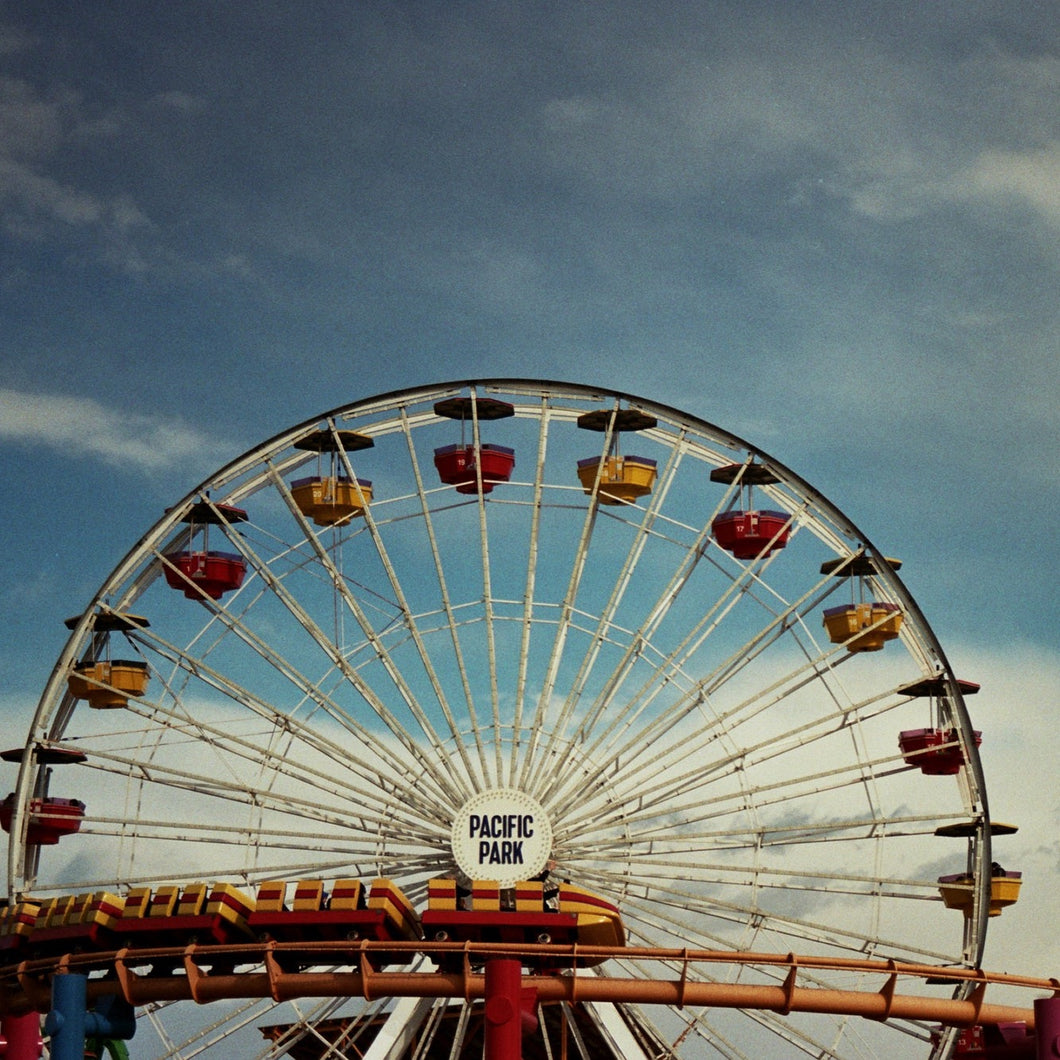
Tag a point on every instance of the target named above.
point(113, 1019)
point(68, 1023)
point(65, 1024)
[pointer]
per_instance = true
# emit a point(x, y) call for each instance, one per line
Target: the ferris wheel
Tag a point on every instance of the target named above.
point(705, 694)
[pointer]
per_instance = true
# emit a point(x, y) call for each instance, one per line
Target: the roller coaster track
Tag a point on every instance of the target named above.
point(290, 970)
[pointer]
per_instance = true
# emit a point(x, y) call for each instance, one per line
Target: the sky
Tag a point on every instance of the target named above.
point(828, 227)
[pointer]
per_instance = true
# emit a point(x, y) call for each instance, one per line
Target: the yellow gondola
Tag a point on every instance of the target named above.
point(623, 479)
point(958, 891)
point(108, 684)
point(331, 500)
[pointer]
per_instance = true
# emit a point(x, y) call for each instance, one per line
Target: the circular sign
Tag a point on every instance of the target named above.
point(503, 835)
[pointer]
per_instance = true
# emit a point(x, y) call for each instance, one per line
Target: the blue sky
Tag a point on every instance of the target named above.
point(828, 227)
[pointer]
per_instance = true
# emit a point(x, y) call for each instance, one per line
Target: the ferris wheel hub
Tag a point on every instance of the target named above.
point(501, 834)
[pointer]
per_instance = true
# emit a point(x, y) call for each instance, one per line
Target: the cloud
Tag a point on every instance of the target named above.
point(38, 202)
point(14, 40)
point(1016, 712)
point(31, 126)
point(1028, 176)
point(182, 102)
point(36, 196)
point(83, 427)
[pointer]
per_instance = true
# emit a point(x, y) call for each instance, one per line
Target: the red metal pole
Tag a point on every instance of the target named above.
point(1047, 1027)
point(21, 1037)
point(504, 1030)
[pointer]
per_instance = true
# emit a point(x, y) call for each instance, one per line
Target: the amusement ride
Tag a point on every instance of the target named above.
point(502, 715)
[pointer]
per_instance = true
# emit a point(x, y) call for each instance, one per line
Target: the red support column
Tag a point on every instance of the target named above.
point(21, 1037)
point(503, 993)
point(1047, 1027)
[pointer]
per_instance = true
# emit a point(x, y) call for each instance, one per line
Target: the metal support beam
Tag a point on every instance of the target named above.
point(69, 1024)
point(400, 1028)
point(20, 1037)
point(1047, 1027)
point(28, 985)
point(504, 1029)
point(65, 1024)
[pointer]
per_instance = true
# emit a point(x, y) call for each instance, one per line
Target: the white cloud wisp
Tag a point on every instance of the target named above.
point(83, 427)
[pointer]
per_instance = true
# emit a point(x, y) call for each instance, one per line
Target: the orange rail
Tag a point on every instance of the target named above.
point(27, 985)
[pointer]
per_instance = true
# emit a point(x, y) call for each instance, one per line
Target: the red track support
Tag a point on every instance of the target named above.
point(504, 1024)
point(21, 1038)
point(1047, 1027)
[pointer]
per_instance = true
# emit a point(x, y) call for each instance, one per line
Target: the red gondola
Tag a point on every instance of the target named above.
point(748, 534)
point(211, 574)
point(1003, 1041)
point(935, 752)
point(457, 466)
point(203, 571)
point(49, 819)
point(462, 464)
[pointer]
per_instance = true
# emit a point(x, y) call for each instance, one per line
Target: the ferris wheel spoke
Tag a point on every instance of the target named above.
point(712, 809)
point(833, 830)
point(789, 878)
point(233, 1022)
point(711, 1036)
point(526, 625)
point(528, 779)
point(446, 606)
point(707, 1027)
point(404, 610)
point(623, 721)
point(531, 778)
point(684, 768)
point(371, 764)
point(339, 838)
point(769, 839)
point(487, 596)
point(338, 660)
point(742, 657)
point(329, 844)
point(657, 747)
point(638, 641)
point(151, 1012)
point(607, 615)
point(373, 808)
point(306, 687)
point(417, 823)
point(303, 1025)
point(672, 908)
point(249, 870)
point(675, 662)
point(805, 1043)
point(645, 634)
